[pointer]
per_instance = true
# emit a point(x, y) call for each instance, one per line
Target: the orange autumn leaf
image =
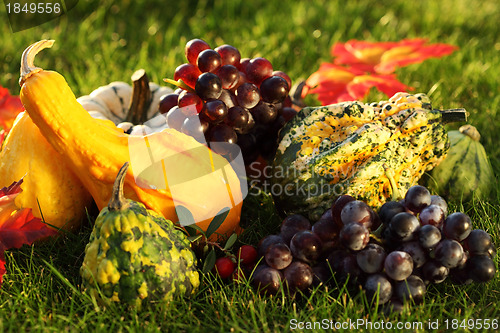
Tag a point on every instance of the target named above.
point(10, 107)
point(385, 57)
point(17, 226)
point(334, 84)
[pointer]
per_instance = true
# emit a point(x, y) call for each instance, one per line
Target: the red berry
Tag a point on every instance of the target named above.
point(238, 275)
point(224, 267)
point(247, 254)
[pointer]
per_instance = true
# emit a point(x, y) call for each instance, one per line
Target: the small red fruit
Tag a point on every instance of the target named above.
point(247, 254)
point(224, 267)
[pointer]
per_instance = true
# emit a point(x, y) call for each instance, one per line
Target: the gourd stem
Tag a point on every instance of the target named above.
point(141, 98)
point(28, 67)
point(118, 201)
point(470, 131)
point(453, 115)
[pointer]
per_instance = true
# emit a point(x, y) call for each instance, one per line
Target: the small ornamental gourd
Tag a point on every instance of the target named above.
point(466, 172)
point(135, 256)
point(357, 149)
point(131, 108)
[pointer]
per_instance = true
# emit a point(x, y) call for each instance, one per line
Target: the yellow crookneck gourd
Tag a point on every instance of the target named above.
point(95, 149)
point(49, 187)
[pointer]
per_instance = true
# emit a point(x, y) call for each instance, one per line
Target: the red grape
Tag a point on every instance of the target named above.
point(229, 76)
point(258, 69)
point(274, 89)
point(193, 49)
point(167, 102)
point(229, 54)
point(188, 73)
point(208, 86)
point(208, 61)
point(247, 95)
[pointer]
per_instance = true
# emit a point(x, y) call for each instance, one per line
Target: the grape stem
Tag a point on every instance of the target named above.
point(179, 83)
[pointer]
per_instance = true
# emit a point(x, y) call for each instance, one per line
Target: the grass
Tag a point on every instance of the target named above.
point(101, 41)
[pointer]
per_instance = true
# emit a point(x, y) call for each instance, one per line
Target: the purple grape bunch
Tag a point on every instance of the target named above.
point(394, 254)
point(229, 99)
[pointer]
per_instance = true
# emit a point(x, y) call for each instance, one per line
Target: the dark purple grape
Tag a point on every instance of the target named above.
point(274, 89)
point(325, 229)
point(267, 280)
point(322, 273)
point(188, 73)
point(266, 242)
point(278, 256)
point(481, 268)
point(208, 61)
point(229, 76)
point(449, 253)
point(175, 118)
point(377, 286)
point(349, 269)
point(335, 259)
point(258, 69)
point(215, 111)
point(371, 258)
point(337, 207)
point(264, 113)
point(229, 54)
point(247, 95)
point(478, 242)
point(208, 86)
point(228, 98)
point(457, 226)
point(193, 49)
point(417, 198)
point(434, 272)
point(354, 236)
point(284, 76)
point(167, 102)
point(439, 201)
point(306, 246)
point(413, 288)
point(402, 226)
point(237, 117)
point(288, 113)
point(432, 214)
point(222, 133)
point(298, 276)
point(293, 224)
point(428, 236)
point(356, 212)
point(249, 127)
point(417, 253)
point(389, 209)
point(195, 127)
point(398, 265)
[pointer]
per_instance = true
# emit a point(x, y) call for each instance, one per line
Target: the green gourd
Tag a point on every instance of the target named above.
point(466, 173)
point(135, 256)
point(364, 150)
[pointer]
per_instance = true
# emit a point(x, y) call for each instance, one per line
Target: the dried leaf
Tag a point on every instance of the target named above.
point(18, 226)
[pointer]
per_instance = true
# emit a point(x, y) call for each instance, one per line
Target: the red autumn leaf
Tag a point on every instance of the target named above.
point(10, 107)
point(334, 84)
point(17, 226)
point(384, 57)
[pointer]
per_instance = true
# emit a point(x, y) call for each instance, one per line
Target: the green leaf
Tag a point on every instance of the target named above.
point(194, 238)
point(209, 261)
point(217, 221)
point(184, 215)
point(193, 229)
point(230, 241)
